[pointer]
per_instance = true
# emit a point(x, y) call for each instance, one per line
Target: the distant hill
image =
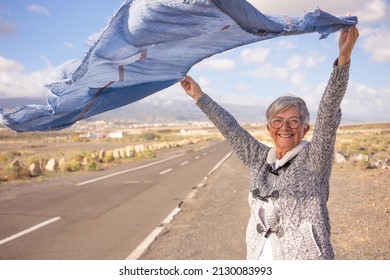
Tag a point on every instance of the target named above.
point(159, 110)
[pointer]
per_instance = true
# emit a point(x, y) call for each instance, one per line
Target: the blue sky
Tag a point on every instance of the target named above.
point(38, 35)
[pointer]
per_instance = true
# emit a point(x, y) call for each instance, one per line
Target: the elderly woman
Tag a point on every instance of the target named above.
point(289, 184)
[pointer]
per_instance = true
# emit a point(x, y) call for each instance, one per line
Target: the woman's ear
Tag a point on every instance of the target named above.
point(268, 127)
point(306, 129)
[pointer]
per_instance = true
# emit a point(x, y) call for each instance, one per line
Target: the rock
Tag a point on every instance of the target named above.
point(35, 169)
point(386, 164)
point(116, 154)
point(139, 148)
point(122, 153)
point(102, 155)
point(51, 165)
point(361, 157)
point(15, 164)
point(61, 162)
point(85, 161)
point(129, 151)
point(95, 155)
point(339, 158)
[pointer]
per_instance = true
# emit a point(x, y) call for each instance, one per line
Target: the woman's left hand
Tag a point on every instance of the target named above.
point(347, 41)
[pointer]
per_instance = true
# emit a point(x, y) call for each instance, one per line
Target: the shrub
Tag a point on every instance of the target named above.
point(71, 166)
point(108, 158)
point(92, 166)
point(3, 158)
point(15, 173)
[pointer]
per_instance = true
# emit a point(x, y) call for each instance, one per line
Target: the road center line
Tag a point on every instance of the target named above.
point(184, 163)
point(31, 229)
point(166, 171)
point(128, 170)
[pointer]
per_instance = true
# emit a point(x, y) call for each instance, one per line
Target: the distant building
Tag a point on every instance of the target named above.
point(115, 135)
point(91, 135)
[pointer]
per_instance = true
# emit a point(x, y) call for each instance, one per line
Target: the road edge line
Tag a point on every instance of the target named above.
point(143, 246)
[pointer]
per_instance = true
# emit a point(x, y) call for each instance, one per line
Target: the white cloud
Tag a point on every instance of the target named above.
point(269, 71)
point(220, 64)
point(295, 62)
point(314, 60)
point(204, 82)
point(376, 42)
point(68, 45)
point(294, 71)
point(362, 102)
point(243, 87)
point(39, 9)
point(297, 79)
point(255, 55)
point(365, 101)
point(15, 83)
point(372, 11)
point(367, 11)
point(285, 45)
point(307, 61)
point(9, 65)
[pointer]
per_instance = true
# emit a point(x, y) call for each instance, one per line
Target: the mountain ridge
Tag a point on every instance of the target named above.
point(160, 110)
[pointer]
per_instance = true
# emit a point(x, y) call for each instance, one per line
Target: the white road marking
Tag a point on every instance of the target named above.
point(220, 163)
point(192, 194)
point(31, 229)
point(184, 163)
point(141, 248)
point(197, 157)
point(128, 170)
point(171, 215)
point(131, 182)
point(166, 171)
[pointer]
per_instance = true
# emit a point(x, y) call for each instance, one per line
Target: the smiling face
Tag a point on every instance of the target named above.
point(287, 138)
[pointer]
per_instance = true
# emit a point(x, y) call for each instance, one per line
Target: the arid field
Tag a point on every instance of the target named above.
point(364, 146)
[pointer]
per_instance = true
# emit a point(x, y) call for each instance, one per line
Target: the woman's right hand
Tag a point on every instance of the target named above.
point(192, 88)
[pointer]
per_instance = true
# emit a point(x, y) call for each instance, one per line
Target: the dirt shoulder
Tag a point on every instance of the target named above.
point(359, 206)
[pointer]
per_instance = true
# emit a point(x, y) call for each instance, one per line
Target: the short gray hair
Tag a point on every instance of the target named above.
point(283, 103)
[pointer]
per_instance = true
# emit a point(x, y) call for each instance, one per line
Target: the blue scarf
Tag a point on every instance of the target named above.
point(151, 45)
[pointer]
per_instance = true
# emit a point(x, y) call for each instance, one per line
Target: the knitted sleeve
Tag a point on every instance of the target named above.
point(329, 117)
point(249, 150)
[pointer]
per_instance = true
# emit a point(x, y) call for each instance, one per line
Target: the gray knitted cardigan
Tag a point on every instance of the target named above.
point(302, 180)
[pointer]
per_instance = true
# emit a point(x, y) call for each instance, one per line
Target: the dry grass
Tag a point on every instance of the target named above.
point(79, 153)
point(364, 139)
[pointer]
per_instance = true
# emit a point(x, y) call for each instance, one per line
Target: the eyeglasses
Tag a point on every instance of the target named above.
point(291, 122)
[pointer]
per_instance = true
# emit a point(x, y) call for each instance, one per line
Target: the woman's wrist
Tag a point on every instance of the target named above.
point(342, 60)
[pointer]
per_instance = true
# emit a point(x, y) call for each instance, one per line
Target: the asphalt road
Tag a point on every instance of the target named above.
point(100, 215)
